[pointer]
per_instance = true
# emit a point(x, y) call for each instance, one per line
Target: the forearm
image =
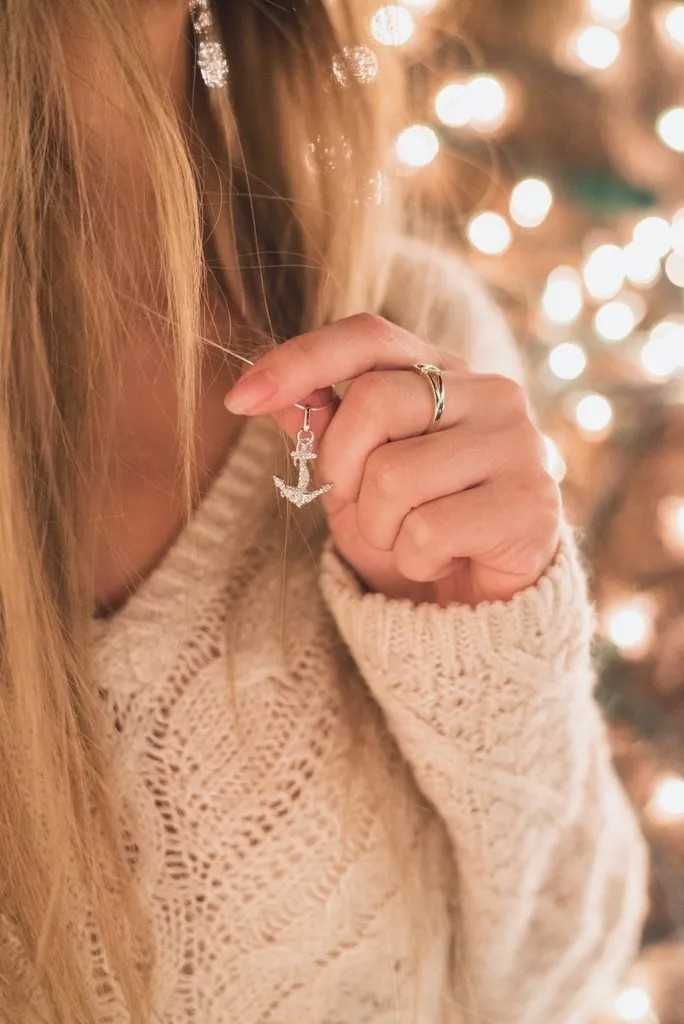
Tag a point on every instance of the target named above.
point(493, 709)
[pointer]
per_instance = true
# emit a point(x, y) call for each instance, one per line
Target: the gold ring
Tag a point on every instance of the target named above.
point(434, 375)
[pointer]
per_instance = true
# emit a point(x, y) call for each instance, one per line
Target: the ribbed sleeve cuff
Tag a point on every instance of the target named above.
point(536, 637)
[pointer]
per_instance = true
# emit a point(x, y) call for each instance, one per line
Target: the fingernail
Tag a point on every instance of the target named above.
point(250, 392)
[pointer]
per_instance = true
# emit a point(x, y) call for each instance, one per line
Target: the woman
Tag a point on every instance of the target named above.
point(336, 762)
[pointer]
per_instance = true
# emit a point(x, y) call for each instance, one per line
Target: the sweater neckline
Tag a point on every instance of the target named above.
point(201, 550)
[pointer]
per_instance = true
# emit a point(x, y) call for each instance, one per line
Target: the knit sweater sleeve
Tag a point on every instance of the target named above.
point(493, 709)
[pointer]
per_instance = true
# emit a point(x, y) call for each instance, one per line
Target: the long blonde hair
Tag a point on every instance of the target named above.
point(282, 165)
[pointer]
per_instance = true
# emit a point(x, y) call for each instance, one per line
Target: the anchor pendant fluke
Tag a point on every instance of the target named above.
point(299, 494)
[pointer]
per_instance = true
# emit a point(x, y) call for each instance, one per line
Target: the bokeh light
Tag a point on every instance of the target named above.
point(671, 523)
point(654, 234)
point(423, 6)
point(392, 25)
point(659, 357)
point(670, 128)
point(604, 271)
point(615, 321)
point(453, 106)
point(642, 265)
point(597, 47)
point(630, 626)
point(488, 102)
point(594, 413)
point(489, 232)
point(615, 11)
point(677, 232)
point(568, 361)
point(634, 1005)
point(674, 24)
point(531, 201)
point(562, 300)
point(417, 146)
point(667, 802)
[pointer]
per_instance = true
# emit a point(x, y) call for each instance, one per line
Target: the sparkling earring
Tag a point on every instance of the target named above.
point(211, 59)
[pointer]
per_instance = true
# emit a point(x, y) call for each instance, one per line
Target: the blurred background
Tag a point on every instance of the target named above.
point(549, 136)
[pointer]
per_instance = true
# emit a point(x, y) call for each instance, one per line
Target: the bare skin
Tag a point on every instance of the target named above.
point(142, 512)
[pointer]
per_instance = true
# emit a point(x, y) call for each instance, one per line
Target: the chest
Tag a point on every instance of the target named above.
point(283, 851)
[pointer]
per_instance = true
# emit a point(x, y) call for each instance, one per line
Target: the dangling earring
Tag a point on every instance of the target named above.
point(211, 59)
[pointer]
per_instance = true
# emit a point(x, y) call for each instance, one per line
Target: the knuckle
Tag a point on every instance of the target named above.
point(420, 530)
point(363, 394)
point(530, 439)
point(541, 495)
point(386, 474)
point(524, 446)
point(508, 394)
point(376, 327)
point(453, 361)
point(371, 395)
point(550, 503)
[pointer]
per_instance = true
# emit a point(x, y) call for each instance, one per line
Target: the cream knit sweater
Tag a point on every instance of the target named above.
point(352, 807)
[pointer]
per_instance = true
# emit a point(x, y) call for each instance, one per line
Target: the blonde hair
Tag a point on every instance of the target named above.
point(270, 187)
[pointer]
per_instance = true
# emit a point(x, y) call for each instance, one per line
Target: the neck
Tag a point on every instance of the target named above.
point(96, 87)
point(166, 23)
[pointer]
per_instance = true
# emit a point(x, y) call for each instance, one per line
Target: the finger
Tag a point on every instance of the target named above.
point(335, 353)
point(393, 405)
point(404, 475)
point(495, 524)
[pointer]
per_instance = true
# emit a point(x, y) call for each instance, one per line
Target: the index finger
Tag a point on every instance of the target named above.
point(332, 354)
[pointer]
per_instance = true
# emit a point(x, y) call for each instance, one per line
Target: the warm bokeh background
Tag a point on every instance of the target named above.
point(582, 101)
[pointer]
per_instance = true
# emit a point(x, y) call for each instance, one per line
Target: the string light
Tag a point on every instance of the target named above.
point(421, 5)
point(669, 334)
point(562, 300)
point(667, 802)
point(615, 321)
point(673, 330)
point(670, 128)
point(392, 25)
point(481, 102)
point(490, 233)
point(630, 626)
point(568, 361)
point(658, 357)
point(555, 463)
point(417, 146)
point(674, 268)
point(488, 102)
point(597, 47)
point(615, 11)
point(677, 232)
point(642, 265)
point(653, 234)
point(453, 105)
point(671, 522)
point(604, 271)
point(633, 1005)
point(594, 414)
point(531, 202)
point(674, 24)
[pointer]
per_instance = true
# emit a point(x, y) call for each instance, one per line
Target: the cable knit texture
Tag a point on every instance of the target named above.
point(353, 810)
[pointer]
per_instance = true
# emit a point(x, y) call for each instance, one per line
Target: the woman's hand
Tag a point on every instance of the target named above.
point(467, 513)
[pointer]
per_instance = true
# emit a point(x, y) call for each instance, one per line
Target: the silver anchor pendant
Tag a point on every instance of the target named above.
point(301, 456)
